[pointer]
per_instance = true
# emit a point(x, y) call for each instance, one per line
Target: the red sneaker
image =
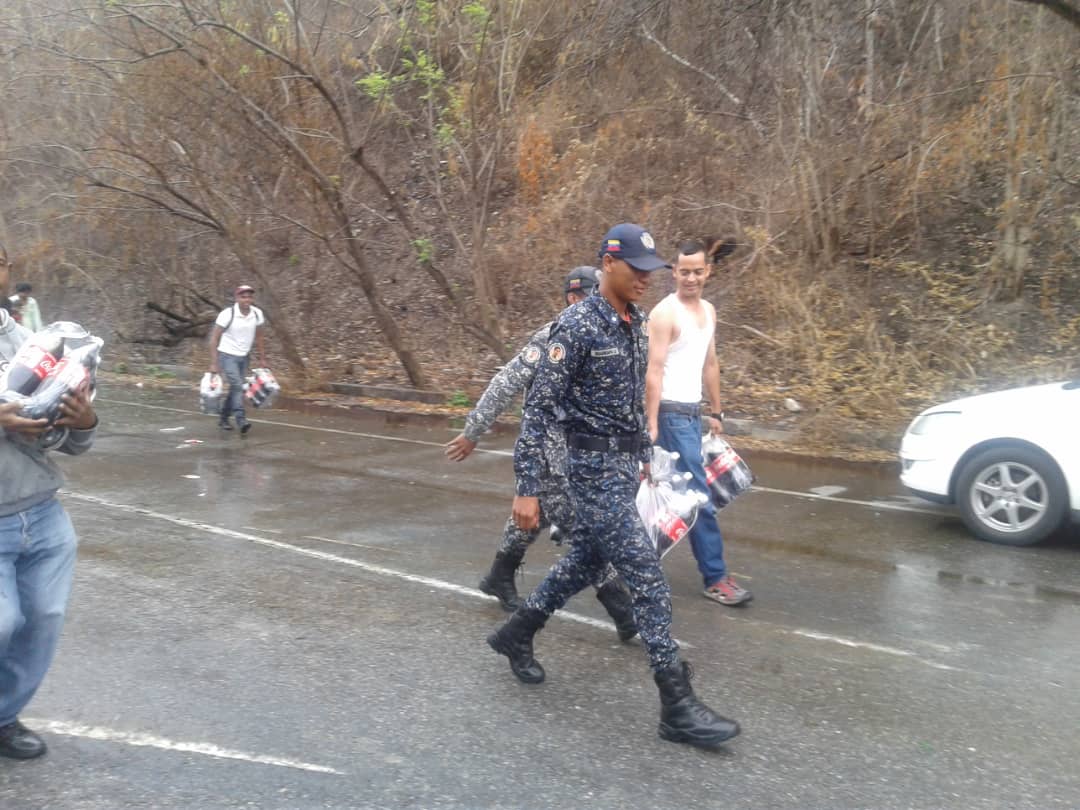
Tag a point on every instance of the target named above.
point(728, 592)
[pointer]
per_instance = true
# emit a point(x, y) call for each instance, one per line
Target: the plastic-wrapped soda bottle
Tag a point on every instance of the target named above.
point(36, 358)
point(672, 529)
point(727, 474)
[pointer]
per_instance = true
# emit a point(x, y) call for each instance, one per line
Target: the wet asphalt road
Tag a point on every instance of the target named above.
point(289, 621)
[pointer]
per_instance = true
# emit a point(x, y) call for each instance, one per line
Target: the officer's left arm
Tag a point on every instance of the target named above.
point(711, 379)
point(505, 386)
point(554, 372)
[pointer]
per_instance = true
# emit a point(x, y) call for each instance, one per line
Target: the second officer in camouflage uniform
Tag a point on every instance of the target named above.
point(555, 509)
point(591, 381)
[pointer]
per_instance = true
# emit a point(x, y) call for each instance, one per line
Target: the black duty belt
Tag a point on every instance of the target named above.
point(689, 408)
point(604, 444)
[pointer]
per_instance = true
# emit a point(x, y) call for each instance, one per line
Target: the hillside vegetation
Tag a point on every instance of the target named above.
point(407, 182)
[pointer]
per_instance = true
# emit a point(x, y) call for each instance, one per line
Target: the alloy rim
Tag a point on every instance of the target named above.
point(1009, 497)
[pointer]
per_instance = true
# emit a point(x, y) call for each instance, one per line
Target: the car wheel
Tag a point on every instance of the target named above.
point(1013, 495)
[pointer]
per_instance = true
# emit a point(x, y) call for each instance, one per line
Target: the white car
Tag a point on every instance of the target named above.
point(1009, 460)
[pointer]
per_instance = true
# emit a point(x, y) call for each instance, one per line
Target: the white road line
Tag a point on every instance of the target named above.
point(892, 507)
point(322, 555)
point(865, 645)
point(150, 741)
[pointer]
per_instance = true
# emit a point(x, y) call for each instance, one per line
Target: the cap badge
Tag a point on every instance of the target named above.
point(647, 241)
point(614, 245)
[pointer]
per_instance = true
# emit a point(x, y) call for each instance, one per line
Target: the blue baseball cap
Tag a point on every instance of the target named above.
point(582, 280)
point(634, 245)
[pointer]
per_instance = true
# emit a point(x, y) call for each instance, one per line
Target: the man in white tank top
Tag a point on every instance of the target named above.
point(682, 355)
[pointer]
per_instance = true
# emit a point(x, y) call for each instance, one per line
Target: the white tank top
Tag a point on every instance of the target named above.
point(686, 355)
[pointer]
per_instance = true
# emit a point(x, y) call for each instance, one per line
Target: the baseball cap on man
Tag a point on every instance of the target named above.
point(581, 279)
point(243, 288)
point(634, 245)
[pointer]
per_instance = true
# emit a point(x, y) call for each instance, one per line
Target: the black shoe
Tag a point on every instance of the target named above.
point(684, 718)
point(620, 608)
point(500, 579)
point(245, 426)
point(19, 742)
point(514, 640)
point(224, 424)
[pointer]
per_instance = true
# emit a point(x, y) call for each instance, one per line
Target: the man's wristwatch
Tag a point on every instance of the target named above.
point(719, 415)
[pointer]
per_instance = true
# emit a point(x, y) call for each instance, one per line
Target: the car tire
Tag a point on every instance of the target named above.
point(1011, 494)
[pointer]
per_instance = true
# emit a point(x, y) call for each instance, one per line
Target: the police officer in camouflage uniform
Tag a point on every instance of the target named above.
point(555, 509)
point(591, 381)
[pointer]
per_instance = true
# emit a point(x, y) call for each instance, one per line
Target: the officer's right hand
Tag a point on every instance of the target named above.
point(526, 512)
point(10, 420)
point(459, 448)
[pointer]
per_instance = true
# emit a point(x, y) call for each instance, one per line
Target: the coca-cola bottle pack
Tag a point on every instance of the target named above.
point(211, 392)
point(727, 474)
point(60, 359)
point(668, 515)
point(261, 387)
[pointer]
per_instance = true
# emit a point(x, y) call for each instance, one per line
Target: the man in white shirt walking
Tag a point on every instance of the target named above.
point(682, 355)
point(236, 330)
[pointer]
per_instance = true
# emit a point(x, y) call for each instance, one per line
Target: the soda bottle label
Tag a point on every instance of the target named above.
point(672, 526)
point(719, 465)
point(40, 362)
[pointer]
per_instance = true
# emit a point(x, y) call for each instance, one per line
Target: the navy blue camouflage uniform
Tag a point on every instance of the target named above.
point(591, 381)
point(511, 380)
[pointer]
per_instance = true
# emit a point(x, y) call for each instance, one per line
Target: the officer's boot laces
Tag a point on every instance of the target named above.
point(684, 718)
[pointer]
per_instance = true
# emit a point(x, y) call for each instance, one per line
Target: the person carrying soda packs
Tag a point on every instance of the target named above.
point(682, 353)
point(235, 331)
point(513, 378)
point(591, 382)
point(37, 543)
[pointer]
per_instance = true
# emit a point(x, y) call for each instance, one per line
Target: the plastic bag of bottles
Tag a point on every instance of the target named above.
point(727, 474)
point(211, 393)
point(261, 388)
point(60, 359)
point(667, 514)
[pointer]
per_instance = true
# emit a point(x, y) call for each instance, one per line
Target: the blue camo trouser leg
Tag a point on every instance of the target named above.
point(682, 433)
point(555, 509)
point(608, 530)
point(515, 540)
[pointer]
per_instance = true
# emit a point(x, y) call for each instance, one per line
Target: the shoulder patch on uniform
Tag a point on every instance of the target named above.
point(532, 354)
point(556, 352)
point(610, 351)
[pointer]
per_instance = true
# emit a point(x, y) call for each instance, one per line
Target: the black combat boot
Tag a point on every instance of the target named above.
point(500, 579)
point(620, 608)
point(514, 640)
point(684, 718)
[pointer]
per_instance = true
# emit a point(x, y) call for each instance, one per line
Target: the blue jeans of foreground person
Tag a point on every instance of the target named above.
point(235, 369)
point(37, 561)
point(681, 433)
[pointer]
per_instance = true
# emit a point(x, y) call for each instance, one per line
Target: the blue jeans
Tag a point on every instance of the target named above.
point(235, 369)
point(682, 433)
point(37, 561)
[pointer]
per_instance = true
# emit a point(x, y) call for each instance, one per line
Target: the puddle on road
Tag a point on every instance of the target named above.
point(926, 572)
